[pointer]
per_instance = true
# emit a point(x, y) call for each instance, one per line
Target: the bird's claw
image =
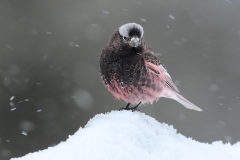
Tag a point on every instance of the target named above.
point(131, 108)
point(128, 109)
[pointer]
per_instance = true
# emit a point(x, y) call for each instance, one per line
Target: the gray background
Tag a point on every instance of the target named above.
point(49, 80)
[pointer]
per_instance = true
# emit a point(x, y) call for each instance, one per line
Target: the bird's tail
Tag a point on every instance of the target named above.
point(186, 103)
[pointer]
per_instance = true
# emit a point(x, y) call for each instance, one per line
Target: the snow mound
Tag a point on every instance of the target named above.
point(120, 135)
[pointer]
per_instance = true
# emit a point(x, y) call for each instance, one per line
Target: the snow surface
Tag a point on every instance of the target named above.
point(120, 135)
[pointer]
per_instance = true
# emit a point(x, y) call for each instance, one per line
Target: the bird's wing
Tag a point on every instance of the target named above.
point(154, 65)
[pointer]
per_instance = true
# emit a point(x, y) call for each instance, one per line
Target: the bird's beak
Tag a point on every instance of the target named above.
point(134, 42)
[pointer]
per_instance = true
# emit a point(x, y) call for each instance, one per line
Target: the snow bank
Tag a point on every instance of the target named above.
point(120, 135)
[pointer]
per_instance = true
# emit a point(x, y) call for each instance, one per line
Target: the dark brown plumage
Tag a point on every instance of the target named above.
point(131, 71)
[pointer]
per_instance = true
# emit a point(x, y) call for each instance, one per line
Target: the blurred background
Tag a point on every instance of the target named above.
point(49, 71)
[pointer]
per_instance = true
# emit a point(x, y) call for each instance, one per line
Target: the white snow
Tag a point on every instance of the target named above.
point(11, 98)
point(83, 99)
point(125, 135)
point(11, 104)
point(228, 1)
point(24, 133)
point(143, 19)
point(105, 12)
point(39, 110)
point(49, 32)
point(13, 109)
point(171, 17)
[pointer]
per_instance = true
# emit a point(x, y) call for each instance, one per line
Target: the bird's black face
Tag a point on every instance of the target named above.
point(133, 41)
point(131, 34)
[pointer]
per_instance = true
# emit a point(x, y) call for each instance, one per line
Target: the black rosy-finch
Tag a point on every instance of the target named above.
point(131, 71)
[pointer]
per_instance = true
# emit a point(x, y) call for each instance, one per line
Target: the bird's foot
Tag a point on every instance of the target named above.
point(131, 108)
point(127, 109)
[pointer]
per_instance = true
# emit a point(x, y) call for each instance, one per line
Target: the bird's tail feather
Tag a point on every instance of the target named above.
point(186, 103)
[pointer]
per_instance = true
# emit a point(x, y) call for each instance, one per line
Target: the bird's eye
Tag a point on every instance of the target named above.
point(124, 38)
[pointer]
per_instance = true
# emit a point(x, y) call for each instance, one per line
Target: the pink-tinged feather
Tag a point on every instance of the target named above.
point(164, 87)
point(132, 72)
point(178, 97)
point(163, 74)
point(170, 89)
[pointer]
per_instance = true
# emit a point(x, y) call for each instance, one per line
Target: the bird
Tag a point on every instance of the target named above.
point(131, 71)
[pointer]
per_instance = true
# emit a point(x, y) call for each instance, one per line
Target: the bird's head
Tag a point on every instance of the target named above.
point(131, 34)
